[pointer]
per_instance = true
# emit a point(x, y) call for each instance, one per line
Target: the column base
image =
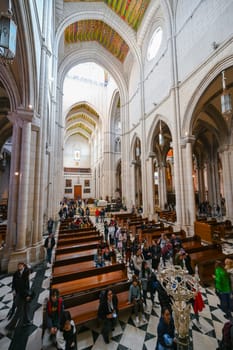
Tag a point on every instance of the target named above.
point(15, 257)
point(31, 256)
point(37, 253)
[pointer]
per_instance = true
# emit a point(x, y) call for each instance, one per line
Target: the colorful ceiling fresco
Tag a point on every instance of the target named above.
point(80, 118)
point(92, 30)
point(79, 126)
point(83, 107)
point(131, 11)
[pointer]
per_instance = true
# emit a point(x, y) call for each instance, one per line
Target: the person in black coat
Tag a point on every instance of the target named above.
point(49, 245)
point(22, 297)
point(108, 312)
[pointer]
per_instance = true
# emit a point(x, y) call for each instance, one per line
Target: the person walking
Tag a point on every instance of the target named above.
point(108, 312)
point(49, 245)
point(223, 288)
point(22, 297)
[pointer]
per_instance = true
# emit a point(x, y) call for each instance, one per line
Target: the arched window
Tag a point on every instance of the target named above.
point(155, 43)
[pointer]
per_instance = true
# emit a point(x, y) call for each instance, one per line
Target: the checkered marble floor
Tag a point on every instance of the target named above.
point(127, 334)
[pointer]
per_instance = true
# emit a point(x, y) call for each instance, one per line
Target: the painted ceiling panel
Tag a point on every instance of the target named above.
point(81, 126)
point(93, 30)
point(131, 11)
point(83, 107)
point(83, 117)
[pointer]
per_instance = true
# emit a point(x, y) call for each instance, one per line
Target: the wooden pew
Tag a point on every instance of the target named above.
point(75, 256)
point(167, 215)
point(205, 260)
point(67, 259)
point(73, 243)
point(93, 271)
point(77, 248)
point(206, 230)
point(84, 307)
point(77, 231)
point(75, 240)
point(92, 282)
point(79, 235)
point(149, 235)
point(70, 268)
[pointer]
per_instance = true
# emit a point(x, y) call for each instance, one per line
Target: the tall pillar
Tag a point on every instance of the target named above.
point(162, 186)
point(13, 192)
point(150, 185)
point(227, 159)
point(210, 182)
point(190, 212)
point(23, 187)
point(19, 192)
point(201, 183)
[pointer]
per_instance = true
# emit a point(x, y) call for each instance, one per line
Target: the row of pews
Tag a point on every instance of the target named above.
point(202, 252)
point(78, 280)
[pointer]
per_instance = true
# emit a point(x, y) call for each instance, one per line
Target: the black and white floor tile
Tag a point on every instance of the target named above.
point(127, 334)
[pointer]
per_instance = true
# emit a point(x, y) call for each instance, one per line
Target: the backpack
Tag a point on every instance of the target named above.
point(226, 336)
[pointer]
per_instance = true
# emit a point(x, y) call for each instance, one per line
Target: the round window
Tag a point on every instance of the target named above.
point(155, 43)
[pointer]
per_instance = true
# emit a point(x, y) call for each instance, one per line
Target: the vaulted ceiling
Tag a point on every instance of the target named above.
point(131, 11)
point(82, 120)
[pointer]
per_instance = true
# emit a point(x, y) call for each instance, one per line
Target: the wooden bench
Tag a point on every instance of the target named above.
point(150, 235)
point(77, 247)
point(205, 260)
point(74, 256)
point(206, 230)
point(78, 231)
point(84, 307)
point(70, 268)
point(72, 240)
point(93, 271)
point(91, 282)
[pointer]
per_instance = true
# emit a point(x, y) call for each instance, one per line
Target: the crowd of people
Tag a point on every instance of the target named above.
point(143, 260)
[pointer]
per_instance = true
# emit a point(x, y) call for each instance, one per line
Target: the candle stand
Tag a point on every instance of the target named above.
point(182, 287)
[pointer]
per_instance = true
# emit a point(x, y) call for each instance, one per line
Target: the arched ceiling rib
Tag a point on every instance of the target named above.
point(131, 11)
point(82, 120)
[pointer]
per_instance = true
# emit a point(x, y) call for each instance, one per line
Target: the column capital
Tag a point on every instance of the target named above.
point(187, 139)
point(151, 154)
point(21, 115)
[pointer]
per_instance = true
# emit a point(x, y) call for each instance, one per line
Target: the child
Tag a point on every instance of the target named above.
point(69, 331)
point(136, 299)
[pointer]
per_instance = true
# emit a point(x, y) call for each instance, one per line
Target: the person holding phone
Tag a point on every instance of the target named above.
point(108, 312)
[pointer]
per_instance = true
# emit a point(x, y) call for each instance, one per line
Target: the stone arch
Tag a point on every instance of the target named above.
point(199, 91)
point(91, 53)
point(106, 15)
point(152, 130)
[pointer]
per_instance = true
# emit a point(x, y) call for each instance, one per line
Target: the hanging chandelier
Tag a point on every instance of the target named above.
point(8, 32)
point(161, 137)
point(226, 105)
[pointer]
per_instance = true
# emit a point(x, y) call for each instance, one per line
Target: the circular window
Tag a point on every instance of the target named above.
point(155, 43)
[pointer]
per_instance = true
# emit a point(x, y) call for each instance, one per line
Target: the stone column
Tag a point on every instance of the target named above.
point(13, 192)
point(210, 182)
point(150, 185)
point(162, 186)
point(190, 212)
point(201, 183)
point(23, 187)
point(227, 159)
